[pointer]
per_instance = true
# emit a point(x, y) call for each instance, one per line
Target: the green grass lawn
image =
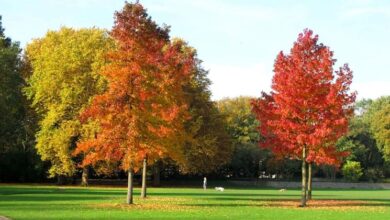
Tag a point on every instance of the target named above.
point(51, 202)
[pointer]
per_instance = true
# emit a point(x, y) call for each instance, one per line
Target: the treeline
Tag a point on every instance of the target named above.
point(82, 102)
point(87, 102)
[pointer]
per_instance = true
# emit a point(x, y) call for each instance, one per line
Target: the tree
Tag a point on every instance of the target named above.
point(360, 142)
point(142, 111)
point(352, 170)
point(242, 128)
point(65, 66)
point(308, 109)
point(16, 142)
point(10, 95)
point(379, 119)
point(208, 145)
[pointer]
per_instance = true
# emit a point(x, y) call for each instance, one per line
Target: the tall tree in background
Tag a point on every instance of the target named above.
point(361, 144)
point(308, 108)
point(142, 111)
point(242, 128)
point(16, 126)
point(209, 146)
point(65, 66)
point(10, 98)
point(378, 116)
point(10, 95)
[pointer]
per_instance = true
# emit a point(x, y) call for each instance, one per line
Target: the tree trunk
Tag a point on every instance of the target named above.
point(85, 176)
point(144, 168)
point(333, 173)
point(304, 178)
point(156, 174)
point(130, 186)
point(60, 180)
point(309, 182)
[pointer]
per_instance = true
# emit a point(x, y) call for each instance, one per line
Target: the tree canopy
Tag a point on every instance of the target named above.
point(11, 82)
point(308, 108)
point(209, 145)
point(65, 68)
point(242, 126)
point(378, 116)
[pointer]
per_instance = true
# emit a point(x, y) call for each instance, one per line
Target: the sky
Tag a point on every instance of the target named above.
point(238, 40)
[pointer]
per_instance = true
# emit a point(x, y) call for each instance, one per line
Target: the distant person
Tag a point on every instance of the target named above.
point(204, 183)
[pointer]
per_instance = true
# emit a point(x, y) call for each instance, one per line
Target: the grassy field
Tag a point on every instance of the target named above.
point(52, 202)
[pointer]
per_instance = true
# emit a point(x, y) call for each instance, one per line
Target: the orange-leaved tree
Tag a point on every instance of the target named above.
point(308, 108)
point(142, 112)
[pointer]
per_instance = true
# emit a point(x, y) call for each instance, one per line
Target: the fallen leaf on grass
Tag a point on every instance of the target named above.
point(151, 203)
point(341, 205)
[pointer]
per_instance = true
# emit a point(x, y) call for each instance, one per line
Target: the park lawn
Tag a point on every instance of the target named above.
point(52, 202)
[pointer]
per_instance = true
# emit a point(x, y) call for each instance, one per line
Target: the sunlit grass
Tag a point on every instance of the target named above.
point(52, 202)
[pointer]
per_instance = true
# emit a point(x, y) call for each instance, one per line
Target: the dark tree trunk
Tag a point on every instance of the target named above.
point(144, 169)
point(333, 173)
point(156, 173)
point(85, 176)
point(130, 186)
point(309, 182)
point(60, 180)
point(304, 178)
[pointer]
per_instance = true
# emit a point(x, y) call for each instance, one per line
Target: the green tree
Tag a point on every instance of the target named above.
point(378, 116)
point(242, 128)
point(10, 96)
point(361, 142)
point(209, 147)
point(352, 171)
point(16, 124)
point(65, 66)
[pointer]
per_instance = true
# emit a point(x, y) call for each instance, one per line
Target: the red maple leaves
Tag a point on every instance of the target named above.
point(308, 107)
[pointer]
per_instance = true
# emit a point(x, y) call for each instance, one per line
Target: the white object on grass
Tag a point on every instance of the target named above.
point(219, 189)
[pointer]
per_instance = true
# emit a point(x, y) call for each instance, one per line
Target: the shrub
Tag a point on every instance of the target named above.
point(386, 169)
point(374, 174)
point(352, 171)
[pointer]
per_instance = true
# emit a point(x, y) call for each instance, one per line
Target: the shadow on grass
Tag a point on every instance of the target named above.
point(59, 190)
point(58, 194)
point(50, 198)
point(39, 207)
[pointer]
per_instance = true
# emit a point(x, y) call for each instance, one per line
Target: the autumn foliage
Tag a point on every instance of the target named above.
point(143, 107)
point(60, 90)
point(309, 106)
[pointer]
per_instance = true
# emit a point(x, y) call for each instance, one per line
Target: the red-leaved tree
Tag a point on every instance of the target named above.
point(308, 108)
point(141, 114)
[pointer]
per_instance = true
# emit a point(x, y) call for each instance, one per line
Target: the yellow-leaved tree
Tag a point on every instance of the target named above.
point(65, 66)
